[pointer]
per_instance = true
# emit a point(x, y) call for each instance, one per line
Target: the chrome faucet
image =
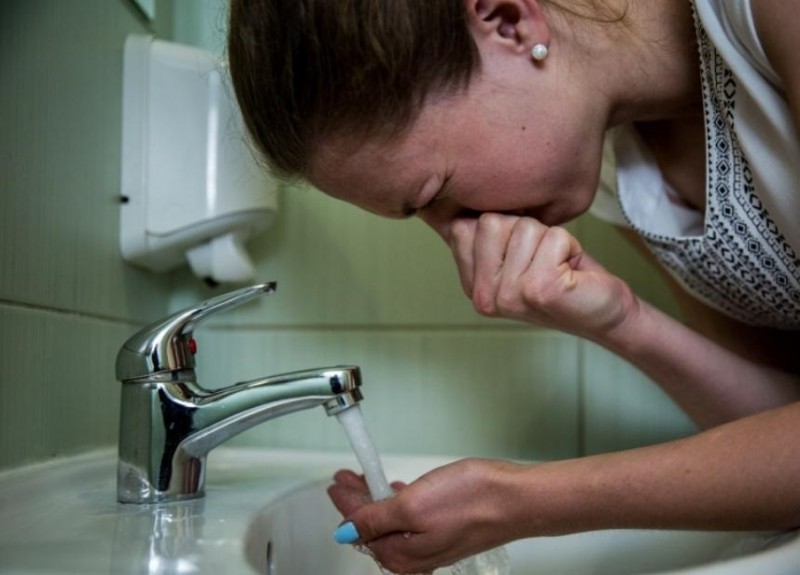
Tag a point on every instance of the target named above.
point(169, 424)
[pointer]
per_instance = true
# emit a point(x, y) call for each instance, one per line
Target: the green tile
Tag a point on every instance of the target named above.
point(60, 129)
point(623, 408)
point(509, 394)
point(57, 390)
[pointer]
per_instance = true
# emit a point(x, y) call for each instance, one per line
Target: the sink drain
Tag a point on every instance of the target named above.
point(270, 560)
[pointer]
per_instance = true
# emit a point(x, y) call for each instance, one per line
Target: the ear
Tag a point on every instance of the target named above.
point(515, 25)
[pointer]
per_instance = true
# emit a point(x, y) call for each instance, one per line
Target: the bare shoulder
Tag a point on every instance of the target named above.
point(778, 27)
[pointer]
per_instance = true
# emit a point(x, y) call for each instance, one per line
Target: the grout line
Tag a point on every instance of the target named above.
point(5, 303)
point(499, 329)
point(581, 407)
point(506, 328)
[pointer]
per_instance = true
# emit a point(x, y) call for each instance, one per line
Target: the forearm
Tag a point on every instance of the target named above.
point(738, 476)
point(712, 384)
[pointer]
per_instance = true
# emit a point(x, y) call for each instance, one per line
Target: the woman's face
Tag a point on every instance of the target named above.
point(515, 141)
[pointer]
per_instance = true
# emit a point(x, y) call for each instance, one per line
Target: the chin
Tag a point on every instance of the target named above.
point(555, 216)
point(568, 212)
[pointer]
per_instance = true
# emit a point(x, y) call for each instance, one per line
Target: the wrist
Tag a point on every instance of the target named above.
point(568, 496)
point(624, 332)
point(544, 501)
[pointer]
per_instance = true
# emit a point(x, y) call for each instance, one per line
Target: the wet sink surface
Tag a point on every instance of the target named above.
point(266, 511)
point(63, 517)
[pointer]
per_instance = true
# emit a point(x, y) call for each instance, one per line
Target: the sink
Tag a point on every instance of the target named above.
point(293, 535)
point(266, 512)
point(63, 517)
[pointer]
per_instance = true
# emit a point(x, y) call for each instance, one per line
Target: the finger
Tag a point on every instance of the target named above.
point(348, 498)
point(406, 553)
point(522, 246)
point(461, 240)
point(491, 244)
point(375, 520)
point(347, 501)
point(399, 485)
point(551, 273)
point(558, 248)
point(348, 477)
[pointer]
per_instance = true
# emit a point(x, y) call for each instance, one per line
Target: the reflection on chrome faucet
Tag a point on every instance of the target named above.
point(168, 423)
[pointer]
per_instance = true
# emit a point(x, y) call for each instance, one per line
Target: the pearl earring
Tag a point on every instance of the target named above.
point(539, 52)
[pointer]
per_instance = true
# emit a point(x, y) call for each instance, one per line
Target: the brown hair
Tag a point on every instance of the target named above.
point(306, 69)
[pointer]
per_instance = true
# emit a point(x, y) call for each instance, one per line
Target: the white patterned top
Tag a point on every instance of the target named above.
point(741, 256)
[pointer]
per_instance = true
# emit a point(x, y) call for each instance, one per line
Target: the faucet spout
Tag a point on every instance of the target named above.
point(169, 423)
point(169, 427)
point(221, 415)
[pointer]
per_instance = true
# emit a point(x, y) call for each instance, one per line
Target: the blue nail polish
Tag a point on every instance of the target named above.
point(346, 533)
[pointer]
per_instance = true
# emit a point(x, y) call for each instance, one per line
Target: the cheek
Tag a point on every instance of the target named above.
point(519, 170)
point(566, 172)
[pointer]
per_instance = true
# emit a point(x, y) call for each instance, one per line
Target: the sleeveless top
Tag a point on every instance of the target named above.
point(741, 256)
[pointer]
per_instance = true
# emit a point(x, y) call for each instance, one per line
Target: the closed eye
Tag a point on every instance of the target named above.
point(442, 192)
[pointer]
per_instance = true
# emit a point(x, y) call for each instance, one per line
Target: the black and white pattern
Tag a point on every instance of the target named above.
point(742, 265)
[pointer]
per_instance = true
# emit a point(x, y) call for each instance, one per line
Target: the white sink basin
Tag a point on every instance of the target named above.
point(266, 512)
point(293, 535)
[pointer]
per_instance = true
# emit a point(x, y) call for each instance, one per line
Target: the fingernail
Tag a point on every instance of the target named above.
point(346, 533)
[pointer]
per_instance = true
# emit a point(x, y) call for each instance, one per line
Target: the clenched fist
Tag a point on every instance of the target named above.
point(516, 267)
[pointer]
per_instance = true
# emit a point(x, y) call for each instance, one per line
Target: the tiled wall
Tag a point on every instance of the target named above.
point(352, 288)
point(66, 299)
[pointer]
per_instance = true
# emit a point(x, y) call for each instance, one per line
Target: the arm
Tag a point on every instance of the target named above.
point(710, 383)
point(738, 476)
point(761, 376)
point(518, 268)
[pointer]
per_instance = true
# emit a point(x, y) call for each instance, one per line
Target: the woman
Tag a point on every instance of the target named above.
point(487, 119)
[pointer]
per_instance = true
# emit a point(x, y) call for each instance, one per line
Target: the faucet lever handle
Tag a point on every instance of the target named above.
point(164, 346)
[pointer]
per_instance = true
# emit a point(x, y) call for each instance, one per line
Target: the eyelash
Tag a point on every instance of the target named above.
point(440, 193)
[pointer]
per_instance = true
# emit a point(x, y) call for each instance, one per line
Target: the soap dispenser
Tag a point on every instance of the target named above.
point(192, 189)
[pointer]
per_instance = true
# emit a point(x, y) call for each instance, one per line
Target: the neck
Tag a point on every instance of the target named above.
point(645, 67)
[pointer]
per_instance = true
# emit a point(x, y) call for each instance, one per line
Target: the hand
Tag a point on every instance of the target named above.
point(452, 512)
point(519, 268)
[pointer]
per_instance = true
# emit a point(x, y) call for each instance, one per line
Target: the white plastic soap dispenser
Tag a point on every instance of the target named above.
point(191, 187)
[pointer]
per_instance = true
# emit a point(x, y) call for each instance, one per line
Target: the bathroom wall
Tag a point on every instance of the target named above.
point(67, 301)
point(384, 295)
